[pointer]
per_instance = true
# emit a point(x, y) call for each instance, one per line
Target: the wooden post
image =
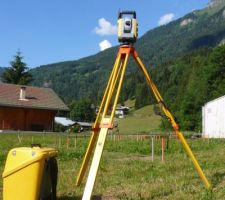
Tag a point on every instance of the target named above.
point(43, 138)
point(59, 142)
point(152, 149)
point(55, 142)
point(18, 135)
point(75, 142)
point(67, 142)
point(163, 146)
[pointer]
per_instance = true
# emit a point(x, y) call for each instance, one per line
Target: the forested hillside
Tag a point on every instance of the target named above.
point(87, 77)
point(180, 58)
point(191, 81)
point(84, 78)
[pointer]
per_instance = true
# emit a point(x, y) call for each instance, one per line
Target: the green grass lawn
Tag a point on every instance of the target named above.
point(126, 170)
point(143, 120)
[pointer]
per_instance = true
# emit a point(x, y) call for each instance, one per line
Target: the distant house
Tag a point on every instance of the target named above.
point(28, 108)
point(84, 126)
point(213, 118)
point(122, 111)
point(69, 123)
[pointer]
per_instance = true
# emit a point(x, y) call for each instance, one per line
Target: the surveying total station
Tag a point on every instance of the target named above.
point(127, 35)
point(127, 27)
point(31, 173)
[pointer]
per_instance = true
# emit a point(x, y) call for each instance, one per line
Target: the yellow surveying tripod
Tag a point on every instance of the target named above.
point(104, 120)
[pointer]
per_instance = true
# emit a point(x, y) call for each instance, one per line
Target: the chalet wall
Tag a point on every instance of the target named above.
point(26, 119)
point(213, 118)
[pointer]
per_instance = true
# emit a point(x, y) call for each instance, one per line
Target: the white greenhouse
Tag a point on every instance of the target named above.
point(213, 118)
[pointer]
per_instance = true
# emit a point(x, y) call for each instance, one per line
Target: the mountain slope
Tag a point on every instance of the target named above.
point(190, 82)
point(86, 78)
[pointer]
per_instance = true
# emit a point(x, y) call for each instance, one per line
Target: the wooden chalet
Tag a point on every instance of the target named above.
point(28, 108)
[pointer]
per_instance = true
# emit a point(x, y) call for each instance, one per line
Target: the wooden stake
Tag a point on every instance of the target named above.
point(75, 142)
point(163, 145)
point(18, 135)
point(67, 142)
point(152, 149)
point(59, 142)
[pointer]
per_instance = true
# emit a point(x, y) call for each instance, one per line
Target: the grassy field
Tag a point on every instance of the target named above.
point(143, 120)
point(126, 170)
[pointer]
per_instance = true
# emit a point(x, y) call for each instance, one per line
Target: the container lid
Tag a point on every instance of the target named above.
point(19, 158)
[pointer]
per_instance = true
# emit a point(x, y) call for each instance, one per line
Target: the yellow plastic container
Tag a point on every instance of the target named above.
point(23, 172)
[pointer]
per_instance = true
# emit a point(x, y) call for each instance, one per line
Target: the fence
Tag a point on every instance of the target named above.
point(69, 141)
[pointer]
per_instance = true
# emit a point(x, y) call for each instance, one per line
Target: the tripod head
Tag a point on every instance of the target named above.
point(127, 27)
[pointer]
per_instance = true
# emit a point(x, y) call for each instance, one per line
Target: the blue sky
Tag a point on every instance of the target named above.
point(48, 31)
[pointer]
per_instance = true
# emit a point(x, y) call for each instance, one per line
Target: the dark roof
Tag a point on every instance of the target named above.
point(36, 97)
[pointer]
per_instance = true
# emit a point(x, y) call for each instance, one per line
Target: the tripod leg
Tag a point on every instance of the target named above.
point(112, 88)
point(119, 87)
point(172, 120)
point(105, 124)
point(95, 126)
point(109, 85)
point(95, 162)
point(124, 53)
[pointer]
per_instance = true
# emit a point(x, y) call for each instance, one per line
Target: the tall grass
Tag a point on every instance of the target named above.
point(126, 170)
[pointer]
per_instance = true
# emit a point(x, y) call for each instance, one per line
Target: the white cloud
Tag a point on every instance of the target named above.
point(105, 44)
point(105, 28)
point(165, 19)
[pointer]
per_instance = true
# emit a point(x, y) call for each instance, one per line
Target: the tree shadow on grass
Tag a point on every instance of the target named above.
point(95, 197)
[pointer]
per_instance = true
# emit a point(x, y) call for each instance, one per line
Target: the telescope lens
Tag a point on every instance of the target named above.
point(128, 23)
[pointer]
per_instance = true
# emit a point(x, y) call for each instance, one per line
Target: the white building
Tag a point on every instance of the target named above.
point(213, 118)
point(122, 111)
point(64, 121)
point(69, 123)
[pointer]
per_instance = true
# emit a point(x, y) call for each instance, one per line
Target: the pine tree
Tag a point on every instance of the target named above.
point(18, 72)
